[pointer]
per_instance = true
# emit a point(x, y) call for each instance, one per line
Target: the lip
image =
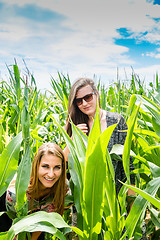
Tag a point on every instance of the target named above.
point(86, 108)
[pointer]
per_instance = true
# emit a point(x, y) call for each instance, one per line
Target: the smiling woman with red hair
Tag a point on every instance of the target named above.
point(47, 187)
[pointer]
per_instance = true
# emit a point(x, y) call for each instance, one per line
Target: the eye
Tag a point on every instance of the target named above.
point(45, 166)
point(88, 96)
point(57, 167)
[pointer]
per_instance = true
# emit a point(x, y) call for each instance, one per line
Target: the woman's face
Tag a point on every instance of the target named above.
point(87, 107)
point(50, 170)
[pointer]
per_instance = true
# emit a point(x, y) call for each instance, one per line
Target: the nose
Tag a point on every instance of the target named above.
point(51, 173)
point(84, 102)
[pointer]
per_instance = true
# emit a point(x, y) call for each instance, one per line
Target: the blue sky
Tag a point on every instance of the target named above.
point(81, 38)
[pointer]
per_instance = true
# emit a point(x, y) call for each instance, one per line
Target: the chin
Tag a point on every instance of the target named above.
point(48, 185)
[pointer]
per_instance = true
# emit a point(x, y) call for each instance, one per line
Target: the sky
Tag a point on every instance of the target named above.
point(99, 39)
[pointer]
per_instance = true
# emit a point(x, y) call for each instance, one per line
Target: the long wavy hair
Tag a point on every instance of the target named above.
point(57, 192)
point(74, 113)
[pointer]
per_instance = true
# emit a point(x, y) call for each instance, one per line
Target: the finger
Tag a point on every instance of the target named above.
point(82, 125)
point(83, 128)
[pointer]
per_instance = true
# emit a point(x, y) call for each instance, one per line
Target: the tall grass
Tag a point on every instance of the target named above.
point(28, 118)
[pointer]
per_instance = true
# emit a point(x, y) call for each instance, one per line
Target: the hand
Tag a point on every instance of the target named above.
point(83, 127)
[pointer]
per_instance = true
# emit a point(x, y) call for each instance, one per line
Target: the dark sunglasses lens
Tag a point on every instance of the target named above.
point(88, 97)
point(79, 101)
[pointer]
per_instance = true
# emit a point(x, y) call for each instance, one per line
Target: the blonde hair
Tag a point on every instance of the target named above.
point(58, 189)
point(74, 113)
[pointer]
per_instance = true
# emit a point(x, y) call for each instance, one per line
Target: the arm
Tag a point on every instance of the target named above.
point(35, 235)
point(130, 200)
point(66, 151)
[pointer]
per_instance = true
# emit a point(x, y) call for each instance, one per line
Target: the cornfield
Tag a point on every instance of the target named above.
point(30, 118)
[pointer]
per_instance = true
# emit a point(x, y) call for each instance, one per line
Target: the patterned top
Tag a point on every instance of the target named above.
point(118, 137)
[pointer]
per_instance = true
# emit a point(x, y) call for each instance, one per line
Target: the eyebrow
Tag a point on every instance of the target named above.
point(48, 164)
point(43, 163)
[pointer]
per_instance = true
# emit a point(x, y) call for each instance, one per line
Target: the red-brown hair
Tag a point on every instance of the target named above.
point(58, 189)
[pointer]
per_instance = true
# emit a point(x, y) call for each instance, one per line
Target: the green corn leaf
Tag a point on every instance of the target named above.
point(94, 133)
point(9, 162)
point(94, 179)
point(140, 204)
point(146, 195)
point(39, 221)
point(72, 151)
point(17, 81)
point(24, 169)
point(147, 132)
point(3, 235)
point(155, 216)
point(22, 181)
point(1, 138)
point(127, 146)
point(65, 102)
point(114, 221)
point(83, 136)
point(155, 170)
point(146, 102)
point(39, 118)
point(156, 125)
point(131, 106)
point(94, 182)
point(77, 191)
point(57, 88)
point(33, 101)
point(25, 120)
point(108, 236)
point(79, 146)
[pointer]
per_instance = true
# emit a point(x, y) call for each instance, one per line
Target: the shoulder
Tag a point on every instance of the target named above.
point(10, 201)
point(113, 115)
point(11, 196)
point(113, 118)
point(11, 186)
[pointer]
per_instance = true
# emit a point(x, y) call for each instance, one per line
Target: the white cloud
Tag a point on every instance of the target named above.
point(148, 73)
point(104, 15)
point(88, 48)
point(153, 55)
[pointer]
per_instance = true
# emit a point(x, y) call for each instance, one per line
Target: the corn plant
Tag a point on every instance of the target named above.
point(102, 215)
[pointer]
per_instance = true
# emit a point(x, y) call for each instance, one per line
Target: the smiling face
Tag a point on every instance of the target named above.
point(50, 170)
point(88, 108)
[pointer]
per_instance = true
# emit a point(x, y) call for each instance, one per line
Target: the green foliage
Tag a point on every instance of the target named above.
point(28, 118)
point(39, 221)
point(9, 162)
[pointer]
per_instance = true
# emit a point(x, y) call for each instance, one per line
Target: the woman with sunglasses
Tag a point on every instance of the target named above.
point(82, 106)
point(81, 110)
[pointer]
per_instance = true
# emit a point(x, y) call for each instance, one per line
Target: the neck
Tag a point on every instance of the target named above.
point(101, 114)
point(43, 191)
point(91, 117)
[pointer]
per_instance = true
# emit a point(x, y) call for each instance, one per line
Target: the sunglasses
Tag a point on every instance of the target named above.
point(87, 98)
